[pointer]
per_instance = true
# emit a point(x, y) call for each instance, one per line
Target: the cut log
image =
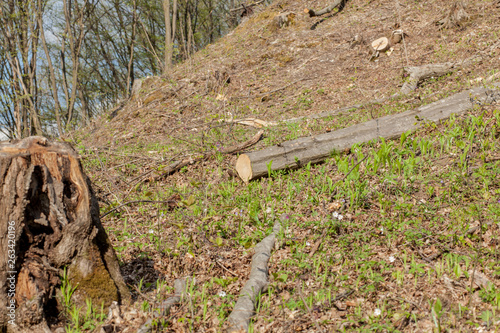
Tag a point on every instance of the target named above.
point(337, 3)
point(381, 45)
point(296, 153)
point(177, 165)
point(49, 220)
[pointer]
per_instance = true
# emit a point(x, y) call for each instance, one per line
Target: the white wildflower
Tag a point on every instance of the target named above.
point(392, 259)
point(377, 312)
point(151, 231)
point(340, 217)
point(269, 210)
point(335, 214)
point(222, 294)
point(308, 244)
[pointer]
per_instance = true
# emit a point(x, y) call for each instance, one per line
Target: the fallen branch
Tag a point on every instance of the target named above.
point(253, 122)
point(257, 283)
point(338, 3)
point(418, 74)
point(180, 293)
point(177, 165)
point(243, 7)
point(168, 202)
point(421, 73)
point(314, 149)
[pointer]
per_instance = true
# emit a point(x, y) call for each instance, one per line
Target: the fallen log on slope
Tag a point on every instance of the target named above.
point(49, 221)
point(257, 283)
point(296, 153)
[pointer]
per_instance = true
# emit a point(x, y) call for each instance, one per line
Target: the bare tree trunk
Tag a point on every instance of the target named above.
point(130, 68)
point(49, 222)
point(52, 76)
point(168, 37)
point(170, 25)
point(75, 47)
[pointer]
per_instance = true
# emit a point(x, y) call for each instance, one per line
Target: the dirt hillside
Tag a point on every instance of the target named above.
point(400, 235)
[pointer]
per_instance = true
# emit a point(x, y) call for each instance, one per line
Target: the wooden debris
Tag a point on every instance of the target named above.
point(217, 80)
point(386, 44)
point(253, 122)
point(381, 44)
point(455, 17)
point(50, 216)
point(177, 165)
point(357, 40)
point(336, 4)
point(284, 19)
point(480, 280)
point(257, 283)
point(297, 153)
point(421, 73)
point(243, 6)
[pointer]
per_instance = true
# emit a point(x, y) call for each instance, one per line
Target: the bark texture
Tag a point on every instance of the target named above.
point(257, 283)
point(296, 153)
point(49, 220)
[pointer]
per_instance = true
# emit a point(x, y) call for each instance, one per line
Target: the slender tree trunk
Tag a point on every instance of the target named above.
point(130, 68)
point(52, 76)
point(168, 37)
point(170, 25)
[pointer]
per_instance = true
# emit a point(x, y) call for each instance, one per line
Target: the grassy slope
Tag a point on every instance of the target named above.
point(402, 245)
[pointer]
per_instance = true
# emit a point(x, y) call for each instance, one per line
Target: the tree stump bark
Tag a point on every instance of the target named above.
point(49, 221)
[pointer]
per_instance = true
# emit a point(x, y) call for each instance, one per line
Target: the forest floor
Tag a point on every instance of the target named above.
point(391, 235)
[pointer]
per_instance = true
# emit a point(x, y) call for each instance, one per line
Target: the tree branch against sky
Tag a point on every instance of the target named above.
point(64, 61)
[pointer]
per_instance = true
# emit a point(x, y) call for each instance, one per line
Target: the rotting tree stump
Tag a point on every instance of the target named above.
point(49, 221)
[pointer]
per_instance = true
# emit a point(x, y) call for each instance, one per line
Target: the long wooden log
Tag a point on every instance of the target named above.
point(49, 222)
point(296, 153)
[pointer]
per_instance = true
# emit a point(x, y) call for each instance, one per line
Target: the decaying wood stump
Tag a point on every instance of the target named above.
point(49, 221)
point(284, 19)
